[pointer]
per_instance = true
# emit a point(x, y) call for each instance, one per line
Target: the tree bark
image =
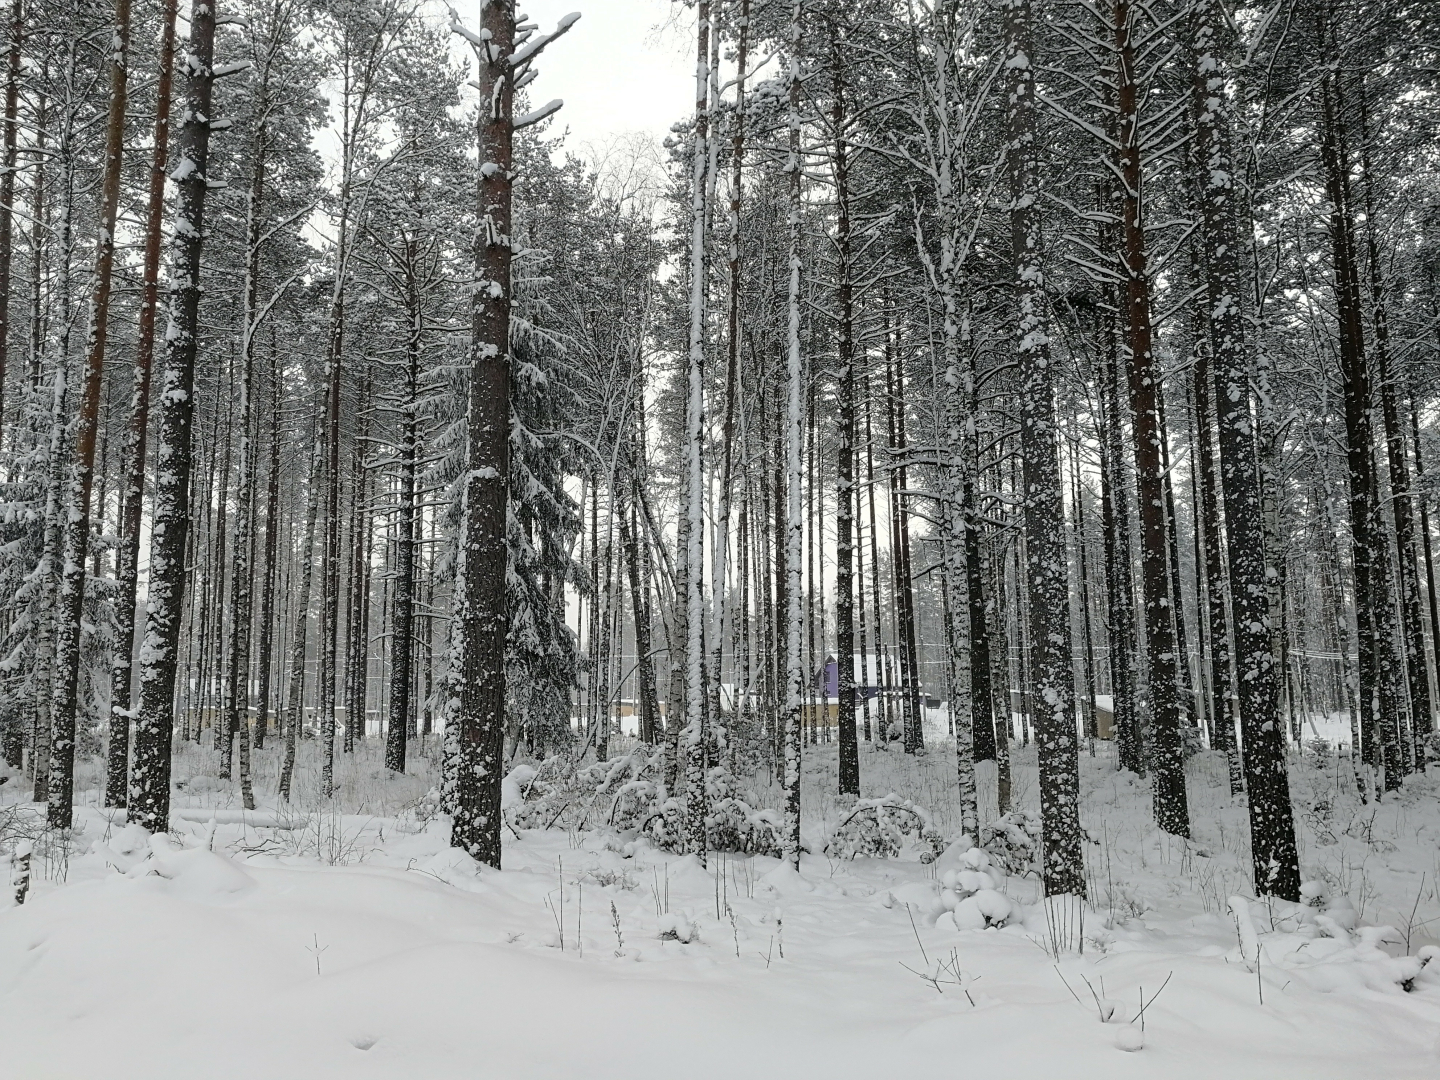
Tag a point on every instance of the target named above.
point(1063, 867)
point(70, 600)
point(7, 188)
point(694, 735)
point(1272, 831)
point(1171, 806)
point(150, 774)
point(794, 469)
point(849, 763)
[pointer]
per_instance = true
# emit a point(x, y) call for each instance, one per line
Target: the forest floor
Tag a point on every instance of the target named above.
point(346, 939)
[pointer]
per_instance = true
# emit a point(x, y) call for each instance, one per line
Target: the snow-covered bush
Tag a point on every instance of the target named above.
point(620, 792)
point(880, 828)
point(1013, 841)
point(627, 794)
point(970, 896)
point(733, 825)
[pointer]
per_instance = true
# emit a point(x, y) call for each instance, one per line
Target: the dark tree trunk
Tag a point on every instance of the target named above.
point(132, 491)
point(267, 595)
point(1401, 491)
point(294, 718)
point(1359, 434)
point(481, 618)
point(403, 626)
point(70, 601)
point(150, 774)
point(1115, 522)
point(1272, 831)
point(1063, 866)
point(1221, 689)
point(7, 188)
point(1171, 807)
point(845, 452)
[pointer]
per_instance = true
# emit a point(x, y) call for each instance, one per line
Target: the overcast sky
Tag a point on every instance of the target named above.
point(627, 65)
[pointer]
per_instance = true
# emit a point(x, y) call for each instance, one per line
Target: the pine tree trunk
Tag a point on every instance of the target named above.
point(294, 718)
point(1272, 830)
point(1171, 805)
point(267, 597)
point(1063, 867)
point(477, 729)
point(1420, 496)
point(1115, 522)
point(849, 771)
point(70, 600)
point(7, 189)
point(403, 625)
point(900, 562)
point(1221, 687)
point(237, 673)
point(150, 773)
point(1184, 691)
point(1412, 623)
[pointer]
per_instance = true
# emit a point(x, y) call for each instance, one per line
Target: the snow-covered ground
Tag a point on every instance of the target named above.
point(308, 942)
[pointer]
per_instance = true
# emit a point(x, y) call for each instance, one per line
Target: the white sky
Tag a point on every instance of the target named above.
point(627, 65)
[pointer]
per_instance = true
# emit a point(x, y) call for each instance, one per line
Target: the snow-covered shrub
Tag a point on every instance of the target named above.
point(620, 792)
point(970, 896)
point(733, 825)
point(417, 815)
point(676, 927)
point(880, 828)
point(1013, 841)
point(627, 794)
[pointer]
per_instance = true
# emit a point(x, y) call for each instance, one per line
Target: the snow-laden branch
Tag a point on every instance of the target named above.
point(549, 109)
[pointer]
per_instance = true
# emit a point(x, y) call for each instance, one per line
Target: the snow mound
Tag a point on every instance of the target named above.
point(197, 873)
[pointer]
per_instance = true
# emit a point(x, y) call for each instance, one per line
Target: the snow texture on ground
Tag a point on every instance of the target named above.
point(303, 942)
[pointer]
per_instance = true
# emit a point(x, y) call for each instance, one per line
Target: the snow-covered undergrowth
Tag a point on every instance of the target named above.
point(348, 940)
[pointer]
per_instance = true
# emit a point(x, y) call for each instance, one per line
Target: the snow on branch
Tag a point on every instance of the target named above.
point(550, 108)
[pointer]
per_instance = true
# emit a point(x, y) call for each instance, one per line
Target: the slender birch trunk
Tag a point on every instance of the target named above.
point(693, 738)
point(794, 467)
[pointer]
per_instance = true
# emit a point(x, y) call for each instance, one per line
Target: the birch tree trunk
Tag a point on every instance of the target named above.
point(693, 738)
point(794, 466)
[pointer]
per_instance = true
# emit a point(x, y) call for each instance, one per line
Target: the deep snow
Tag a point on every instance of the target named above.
point(358, 944)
